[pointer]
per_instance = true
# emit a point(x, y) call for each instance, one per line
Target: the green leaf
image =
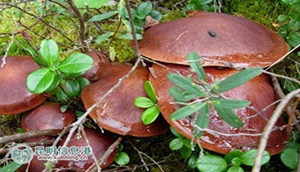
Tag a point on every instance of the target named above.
point(150, 115)
point(122, 11)
point(235, 169)
point(192, 163)
point(83, 82)
point(103, 16)
point(143, 102)
point(150, 91)
point(130, 37)
point(185, 152)
point(72, 88)
point(236, 161)
point(13, 166)
point(186, 84)
point(122, 158)
point(112, 53)
point(229, 103)
point(49, 51)
point(40, 80)
point(202, 120)
point(103, 37)
point(76, 63)
point(237, 79)
point(211, 163)
point(248, 157)
point(176, 144)
point(61, 95)
point(194, 62)
point(186, 111)
point(144, 9)
point(233, 154)
point(175, 132)
point(181, 96)
point(229, 116)
point(289, 158)
point(90, 3)
point(156, 15)
point(54, 84)
point(36, 57)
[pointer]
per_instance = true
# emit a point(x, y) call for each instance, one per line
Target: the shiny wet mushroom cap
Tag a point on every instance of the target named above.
point(117, 113)
point(98, 144)
point(216, 37)
point(48, 116)
point(258, 91)
point(14, 96)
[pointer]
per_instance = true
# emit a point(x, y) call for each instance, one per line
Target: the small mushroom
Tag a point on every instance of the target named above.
point(48, 116)
point(15, 98)
point(258, 91)
point(117, 113)
point(99, 142)
point(220, 39)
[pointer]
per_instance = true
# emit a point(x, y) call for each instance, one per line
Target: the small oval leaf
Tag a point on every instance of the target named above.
point(40, 80)
point(289, 158)
point(122, 158)
point(144, 9)
point(211, 163)
point(143, 102)
point(72, 88)
point(248, 157)
point(176, 144)
point(150, 91)
point(150, 115)
point(76, 63)
point(49, 51)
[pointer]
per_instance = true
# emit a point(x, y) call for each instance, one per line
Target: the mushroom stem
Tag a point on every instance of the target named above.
point(265, 135)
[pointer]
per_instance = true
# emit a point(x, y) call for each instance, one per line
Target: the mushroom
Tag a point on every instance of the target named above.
point(258, 91)
point(99, 60)
point(98, 142)
point(220, 39)
point(15, 98)
point(117, 113)
point(48, 116)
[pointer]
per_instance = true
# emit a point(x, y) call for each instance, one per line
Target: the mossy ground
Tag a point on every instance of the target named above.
point(262, 11)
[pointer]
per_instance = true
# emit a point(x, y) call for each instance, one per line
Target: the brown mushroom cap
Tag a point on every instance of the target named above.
point(99, 143)
point(217, 37)
point(99, 60)
point(48, 116)
point(258, 91)
point(117, 113)
point(14, 96)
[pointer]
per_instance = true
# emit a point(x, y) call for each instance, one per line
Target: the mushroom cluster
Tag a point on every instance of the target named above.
point(221, 40)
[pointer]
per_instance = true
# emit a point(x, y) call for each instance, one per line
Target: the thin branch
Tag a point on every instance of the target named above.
point(81, 24)
point(265, 135)
point(28, 135)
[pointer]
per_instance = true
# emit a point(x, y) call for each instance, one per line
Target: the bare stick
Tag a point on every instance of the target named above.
point(81, 24)
point(105, 156)
point(265, 135)
point(28, 135)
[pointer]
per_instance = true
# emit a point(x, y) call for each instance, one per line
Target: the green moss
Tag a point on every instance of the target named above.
point(261, 11)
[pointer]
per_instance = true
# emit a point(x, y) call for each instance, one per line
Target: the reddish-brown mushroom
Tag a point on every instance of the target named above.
point(99, 143)
point(117, 113)
point(99, 61)
point(14, 96)
point(48, 116)
point(220, 39)
point(258, 91)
